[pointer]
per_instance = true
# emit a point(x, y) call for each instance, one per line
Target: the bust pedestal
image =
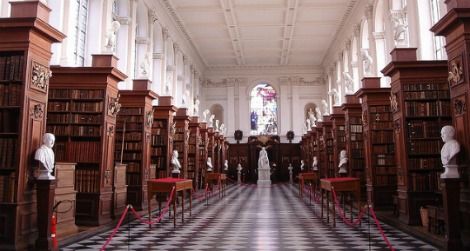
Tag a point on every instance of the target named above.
point(45, 197)
point(175, 174)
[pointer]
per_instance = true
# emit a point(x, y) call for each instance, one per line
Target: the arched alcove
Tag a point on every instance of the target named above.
point(263, 109)
point(218, 111)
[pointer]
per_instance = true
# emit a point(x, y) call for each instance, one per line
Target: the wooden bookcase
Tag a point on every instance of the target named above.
point(354, 139)
point(202, 149)
point(194, 153)
point(211, 146)
point(238, 153)
point(305, 148)
point(25, 51)
point(339, 138)
point(216, 156)
point(455, 26)
point(161, 140)
point(320, 153)
point(312, 135)
point(328, 153)
point(181, 139)
point(82, 109)
point(290, 153)
point(134, 127)
point(379, 146)
point(420, 103)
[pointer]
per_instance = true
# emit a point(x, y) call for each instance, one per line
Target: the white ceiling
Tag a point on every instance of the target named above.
point(260, 32)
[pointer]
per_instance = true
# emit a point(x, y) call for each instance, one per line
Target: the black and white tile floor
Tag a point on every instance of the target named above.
point(252, 218)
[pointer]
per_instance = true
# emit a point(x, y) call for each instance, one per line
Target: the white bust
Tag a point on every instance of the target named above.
point(226, 165)
point(315, 163)
point(449, 152)
point(302, 164)
point(196, 107)
point(205, 113)
point(309, 127)
point(209, 164)
point(343, 161)
point(216, 125)
point(290, 168)
point(144, 65)
point(366, 61)
point(348, 82)
point(175, 162)
point(326, 111)
point(45, 156)
point(211, 120)
point(110, 44)
point(334, 96)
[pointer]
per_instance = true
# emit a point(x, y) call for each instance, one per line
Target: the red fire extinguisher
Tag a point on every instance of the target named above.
point(55, 244)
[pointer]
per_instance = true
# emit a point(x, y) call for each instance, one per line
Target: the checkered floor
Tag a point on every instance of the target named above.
point(252, 218)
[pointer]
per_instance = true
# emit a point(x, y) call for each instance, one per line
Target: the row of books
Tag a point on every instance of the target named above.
point(380, 116)
point(425, 146)
point(59, 130)
point(87, 180)
point(131, 111)
point(427, 95)
point(129, 146)
point(130, 136)
point(74, 118)
point(380, 125)
point(8, 150)
point(57, 106)
point(383, 149)
point(357, 153)
point(355, 128)
point(87, 107)
point(158, 123)
point(76, 94)
point(384, 160)
point(160, 163)
point(192, 148)
point(386, 170)
point(353, 120)
point(426, 86)
point(133, 179)
point(424, 129)
point(178, 146)
point(385, 180)
point(357, 163)
point(156, 139)
point(422, 109)
point(81, 151)
point(9, 121)
point(10, 95)
point(11, 67)
point(180, 136)
point(379, 109)
point(424, 163)
point(132, 156)
point(424, 182)
point(130, 126)
point(88, 131)
point(129, 119)
point(381, 137)
point(158, 151)
point(7, 188)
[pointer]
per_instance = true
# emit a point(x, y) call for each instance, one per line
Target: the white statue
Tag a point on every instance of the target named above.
point(290, 168)
point(144, 65)
point(263, 160)
point(209, 164)
point(334, 95)
point(211, 120)
point(175, 162)
point(110, 44)
point(366, 61)
point(302, 164)
point(400, 27)
point(226, 165)
point(196, 107)
point(326, 111)
point(216, 125)
point(449, 153)
point(315, 163)
point(343, 161)
point(311, 117)
point(348, 83)
point(205, 113)
point(239, 173)
point(239, 168)
point(307, 122)
point(45, 156)
point(222, 129)
point(319, 116)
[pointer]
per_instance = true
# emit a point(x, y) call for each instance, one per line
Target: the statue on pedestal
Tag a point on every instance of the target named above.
point(211, 120)
point(449, 153)
point(175, 162)
point(239, 173)
point(45, 156)
point(290, 168)
point(326, 111)
point(264, 171)
point(226, 165)
point(343, 161)
point(205, 113)
point(110, 43)
point(315, 163)
point(209, 164)
point(196, 107)
point(302, 164)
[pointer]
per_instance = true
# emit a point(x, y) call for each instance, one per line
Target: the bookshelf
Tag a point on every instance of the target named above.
point(194, 153)
point(134, 127)
point(379, 147)
point(202, 148)
point(305, 148)
point(420, 102)
point(328, 153)
point(312, 136)
point(455, 27)
point(320, 153)
point(339, 138)
point(82, 109)
point(216, 155)
point(238, 153)
point(25, 50)
point(181, 139)
point(211, 146)
point(161, 139)
point(354, 139)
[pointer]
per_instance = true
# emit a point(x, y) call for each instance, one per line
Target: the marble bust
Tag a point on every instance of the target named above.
point(302, 164)
point(45, 156)
point(205, 113)
point(209, 164)
point(343, 161)
point(175, 162)
point(315, 163)
point(449, 153)
point(226, 165)
point(110, 44)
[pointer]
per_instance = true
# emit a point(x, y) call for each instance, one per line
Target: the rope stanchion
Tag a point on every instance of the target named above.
point(162, 213)
point(115, 229)
point(342, 214)
point(379, 227)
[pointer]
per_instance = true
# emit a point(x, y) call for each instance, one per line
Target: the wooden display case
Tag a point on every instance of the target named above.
point(420, 103)
point(163, 129)
point(379, 146)
point(133, 139)
point(82, 109)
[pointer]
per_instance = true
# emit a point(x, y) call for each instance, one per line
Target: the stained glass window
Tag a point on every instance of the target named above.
point(263, 113)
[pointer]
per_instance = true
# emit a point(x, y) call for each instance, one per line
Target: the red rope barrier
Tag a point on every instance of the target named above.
point(342, 214)
point(115, 229)
point(162, 213)
point(380, 229)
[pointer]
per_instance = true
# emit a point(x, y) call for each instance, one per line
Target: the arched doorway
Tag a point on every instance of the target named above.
point(263, 110)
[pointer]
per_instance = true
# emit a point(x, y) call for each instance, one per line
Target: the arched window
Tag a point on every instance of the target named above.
point(263, 115)
point(79, 33)
point(439, 41)
point(218, 111)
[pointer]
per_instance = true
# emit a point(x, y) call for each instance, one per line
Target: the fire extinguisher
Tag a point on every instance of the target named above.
point(55, 244)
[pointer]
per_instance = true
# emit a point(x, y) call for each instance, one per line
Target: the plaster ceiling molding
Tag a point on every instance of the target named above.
point(224, 83)
point(229, 33)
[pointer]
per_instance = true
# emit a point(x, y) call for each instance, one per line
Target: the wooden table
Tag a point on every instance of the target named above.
point(303, 177)
point(218, 178)
point(345, 184)
point(165, 185)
